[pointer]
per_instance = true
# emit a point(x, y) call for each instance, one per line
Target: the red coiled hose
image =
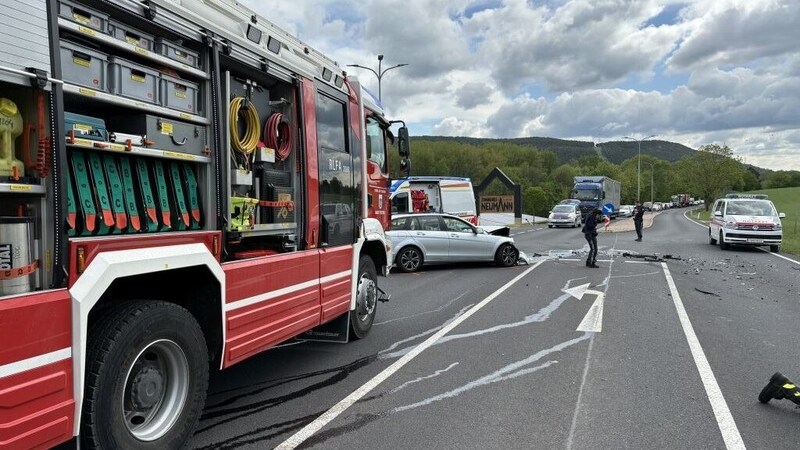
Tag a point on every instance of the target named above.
point(43, 154)
point(278, 135)
point(43, 157)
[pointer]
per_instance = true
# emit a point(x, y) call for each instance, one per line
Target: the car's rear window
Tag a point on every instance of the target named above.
point(428, 223)
point(400, 224)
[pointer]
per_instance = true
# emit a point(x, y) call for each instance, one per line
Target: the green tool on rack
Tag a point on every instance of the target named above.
point(85, 197)
point(134, 222)
point(117, 196)
point(150, 216)
point(163, 196)
point(191, 189)
point(101, 191)
point(179, 198)
point(72, 211)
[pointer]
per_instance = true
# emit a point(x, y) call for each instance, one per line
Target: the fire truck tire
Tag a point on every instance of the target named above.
point(506, 255)
point(146, 377)
point(363, 316)
point(409, 259)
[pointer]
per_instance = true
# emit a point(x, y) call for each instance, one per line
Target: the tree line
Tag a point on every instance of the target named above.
point(707, 173)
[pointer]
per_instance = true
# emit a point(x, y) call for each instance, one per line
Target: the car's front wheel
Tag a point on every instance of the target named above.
point(722, 244)
point(409, 259)
point(506, 255)
point(775, 248)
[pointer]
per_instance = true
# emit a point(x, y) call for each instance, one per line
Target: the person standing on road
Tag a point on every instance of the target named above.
point(590, 233)
point(638, 214)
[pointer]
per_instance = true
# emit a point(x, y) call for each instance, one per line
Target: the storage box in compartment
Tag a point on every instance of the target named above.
point(171, 135)
point(131, 35)
point(83, 15)
point(179, 94)
point(83, 66)
point(133, 80)
point(85, 127)
point(177, 53)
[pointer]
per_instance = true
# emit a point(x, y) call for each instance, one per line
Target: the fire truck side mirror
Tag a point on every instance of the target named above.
point(405, 167)
point(403, 147)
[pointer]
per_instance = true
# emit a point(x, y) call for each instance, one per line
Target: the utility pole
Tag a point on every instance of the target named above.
point(639, 164)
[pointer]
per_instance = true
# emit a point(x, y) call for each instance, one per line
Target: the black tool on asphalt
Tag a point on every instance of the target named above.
point(651, 258)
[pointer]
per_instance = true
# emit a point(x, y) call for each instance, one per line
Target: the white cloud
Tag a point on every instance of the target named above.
point(691, 71)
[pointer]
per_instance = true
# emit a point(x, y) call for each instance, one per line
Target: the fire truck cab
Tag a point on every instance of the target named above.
point(165, 167)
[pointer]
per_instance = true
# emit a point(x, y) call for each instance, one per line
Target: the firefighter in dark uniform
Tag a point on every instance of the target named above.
point(638, 213)
point(590, 233)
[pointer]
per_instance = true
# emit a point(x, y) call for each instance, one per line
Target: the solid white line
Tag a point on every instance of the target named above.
point(727, 426)
point(694, 221)
point(779, 256)
point(328, 416)
point(34, 362)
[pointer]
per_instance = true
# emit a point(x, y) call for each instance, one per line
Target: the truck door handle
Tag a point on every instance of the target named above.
point(454, 235)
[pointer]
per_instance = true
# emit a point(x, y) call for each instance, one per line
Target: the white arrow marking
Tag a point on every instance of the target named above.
point(593, 321)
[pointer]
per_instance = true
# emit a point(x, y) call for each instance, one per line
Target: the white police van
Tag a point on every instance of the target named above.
point(745, 220)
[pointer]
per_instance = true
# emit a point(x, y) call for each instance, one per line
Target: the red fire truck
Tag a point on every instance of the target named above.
point(182, 186)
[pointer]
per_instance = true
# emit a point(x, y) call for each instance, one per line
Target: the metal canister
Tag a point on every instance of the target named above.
point(16, 255)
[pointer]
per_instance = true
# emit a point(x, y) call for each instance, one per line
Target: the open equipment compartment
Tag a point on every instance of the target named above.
point(149, 170)
point(263, 192)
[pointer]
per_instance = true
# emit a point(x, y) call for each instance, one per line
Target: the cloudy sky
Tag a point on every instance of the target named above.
point(694, 72)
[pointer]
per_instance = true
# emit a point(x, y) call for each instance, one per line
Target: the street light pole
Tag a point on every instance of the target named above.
point(639, 165)
point(380, 72)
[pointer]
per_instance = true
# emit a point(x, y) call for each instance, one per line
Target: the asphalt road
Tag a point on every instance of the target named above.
point(475, 356)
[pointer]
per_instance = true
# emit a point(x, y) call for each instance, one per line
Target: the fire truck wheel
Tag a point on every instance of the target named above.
point(506, 255)
point(362, 317)
point(409, 259)
point(146, 377)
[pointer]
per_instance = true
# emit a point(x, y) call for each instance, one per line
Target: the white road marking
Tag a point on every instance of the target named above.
point(329, 415)
point(694, 221)
point(593, 320)
point(727, 426)
point(780, 256)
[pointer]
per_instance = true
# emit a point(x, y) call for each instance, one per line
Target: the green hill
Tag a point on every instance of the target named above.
point(566, 150)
